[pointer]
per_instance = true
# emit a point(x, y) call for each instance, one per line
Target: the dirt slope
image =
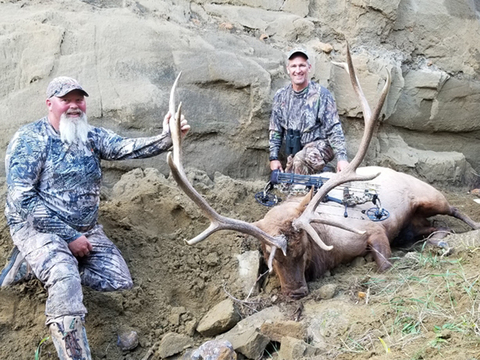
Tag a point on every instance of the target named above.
point(427, 307)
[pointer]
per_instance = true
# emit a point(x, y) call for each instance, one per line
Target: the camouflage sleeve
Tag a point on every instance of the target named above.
point(114, 147)
point(276, 130)
point(275, 144)
point(24, 163)
point(333, 128)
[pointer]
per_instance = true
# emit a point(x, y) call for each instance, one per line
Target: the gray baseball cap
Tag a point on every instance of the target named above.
point(298, 50)
point(62, 85)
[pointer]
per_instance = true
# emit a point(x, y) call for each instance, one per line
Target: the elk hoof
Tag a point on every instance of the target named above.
point(384, 266)
point(447, 251)
point(442, 244)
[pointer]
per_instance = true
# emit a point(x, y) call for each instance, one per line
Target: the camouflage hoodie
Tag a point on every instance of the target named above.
point(55, 186)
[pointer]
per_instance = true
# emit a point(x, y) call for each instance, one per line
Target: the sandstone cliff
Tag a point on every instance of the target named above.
point(231, 52)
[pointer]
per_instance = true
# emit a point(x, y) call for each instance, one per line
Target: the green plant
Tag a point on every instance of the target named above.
point(39, 347)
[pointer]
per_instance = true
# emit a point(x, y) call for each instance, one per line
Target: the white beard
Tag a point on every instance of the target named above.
point(74, 130)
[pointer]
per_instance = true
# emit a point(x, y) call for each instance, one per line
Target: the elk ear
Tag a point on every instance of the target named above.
point(305, 201)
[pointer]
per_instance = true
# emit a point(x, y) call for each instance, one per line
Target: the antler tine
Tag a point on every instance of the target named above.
point(349, 173)
point(175, 127)
point(369, 118)
point(217, 222)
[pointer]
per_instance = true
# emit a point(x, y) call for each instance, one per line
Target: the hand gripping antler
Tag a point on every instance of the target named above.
point(217, 222)
point(349, 173)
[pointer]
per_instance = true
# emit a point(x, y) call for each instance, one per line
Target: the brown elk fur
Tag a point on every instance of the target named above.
point(409, 201)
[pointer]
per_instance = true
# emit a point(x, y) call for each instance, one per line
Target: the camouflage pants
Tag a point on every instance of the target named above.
point(63, 274)
point(311, 159)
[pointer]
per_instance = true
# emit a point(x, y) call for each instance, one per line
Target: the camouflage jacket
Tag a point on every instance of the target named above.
point(313, 112)
point(56, 187)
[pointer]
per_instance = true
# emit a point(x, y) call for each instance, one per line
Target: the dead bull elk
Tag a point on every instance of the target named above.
point(314, 235)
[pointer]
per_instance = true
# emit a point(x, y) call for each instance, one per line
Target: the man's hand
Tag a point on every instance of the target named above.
point(276, 165)
point(184, 127)
point(80, 247)
point(166, 120)
point(342, 164)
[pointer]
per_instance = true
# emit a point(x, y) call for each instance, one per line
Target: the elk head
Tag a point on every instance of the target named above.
point(293, 225)
point(290, 268)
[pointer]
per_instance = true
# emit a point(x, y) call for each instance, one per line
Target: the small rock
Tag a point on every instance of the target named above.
point(172, 344)
point(215, 350)
point(248, 265)
point(127, 340)
point(276, 330)
point(291, 349)
point(326, 291)
point(190, 327)
point(251, 343)
point(222, 317)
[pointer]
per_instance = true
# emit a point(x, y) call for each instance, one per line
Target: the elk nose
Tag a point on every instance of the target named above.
point(297, 293)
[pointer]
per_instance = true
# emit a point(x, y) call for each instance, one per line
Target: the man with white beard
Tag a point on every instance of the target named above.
point(73, 130)
point(53, 180)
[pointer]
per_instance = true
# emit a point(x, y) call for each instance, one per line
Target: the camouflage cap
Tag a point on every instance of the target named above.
point(62, 85)
point(298, 50)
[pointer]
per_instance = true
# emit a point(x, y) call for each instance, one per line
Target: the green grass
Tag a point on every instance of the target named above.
point(39, 347)
point(425, 298)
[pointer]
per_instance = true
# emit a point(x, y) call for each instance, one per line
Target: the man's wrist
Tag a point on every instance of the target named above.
point(273, 158)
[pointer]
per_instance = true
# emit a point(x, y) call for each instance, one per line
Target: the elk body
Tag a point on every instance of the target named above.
point(313, 235)
point(410, 203)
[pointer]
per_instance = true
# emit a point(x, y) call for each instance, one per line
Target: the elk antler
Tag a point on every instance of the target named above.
point(349, 173)
point(217, 222)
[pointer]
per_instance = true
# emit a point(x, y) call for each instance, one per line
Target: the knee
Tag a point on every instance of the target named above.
point(126, 284)
point(119, 284)
point(61, 273)
point(113, 283)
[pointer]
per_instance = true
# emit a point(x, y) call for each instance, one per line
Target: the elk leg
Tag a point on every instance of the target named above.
point(429, 208)
point(421, 228)
point(437, 235)
point(381, 251)
point(457, 214)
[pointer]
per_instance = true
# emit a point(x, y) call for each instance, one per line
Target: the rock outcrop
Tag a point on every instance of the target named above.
point(127, 54)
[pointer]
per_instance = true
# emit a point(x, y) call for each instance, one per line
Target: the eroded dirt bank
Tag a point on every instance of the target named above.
point(426, 307)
